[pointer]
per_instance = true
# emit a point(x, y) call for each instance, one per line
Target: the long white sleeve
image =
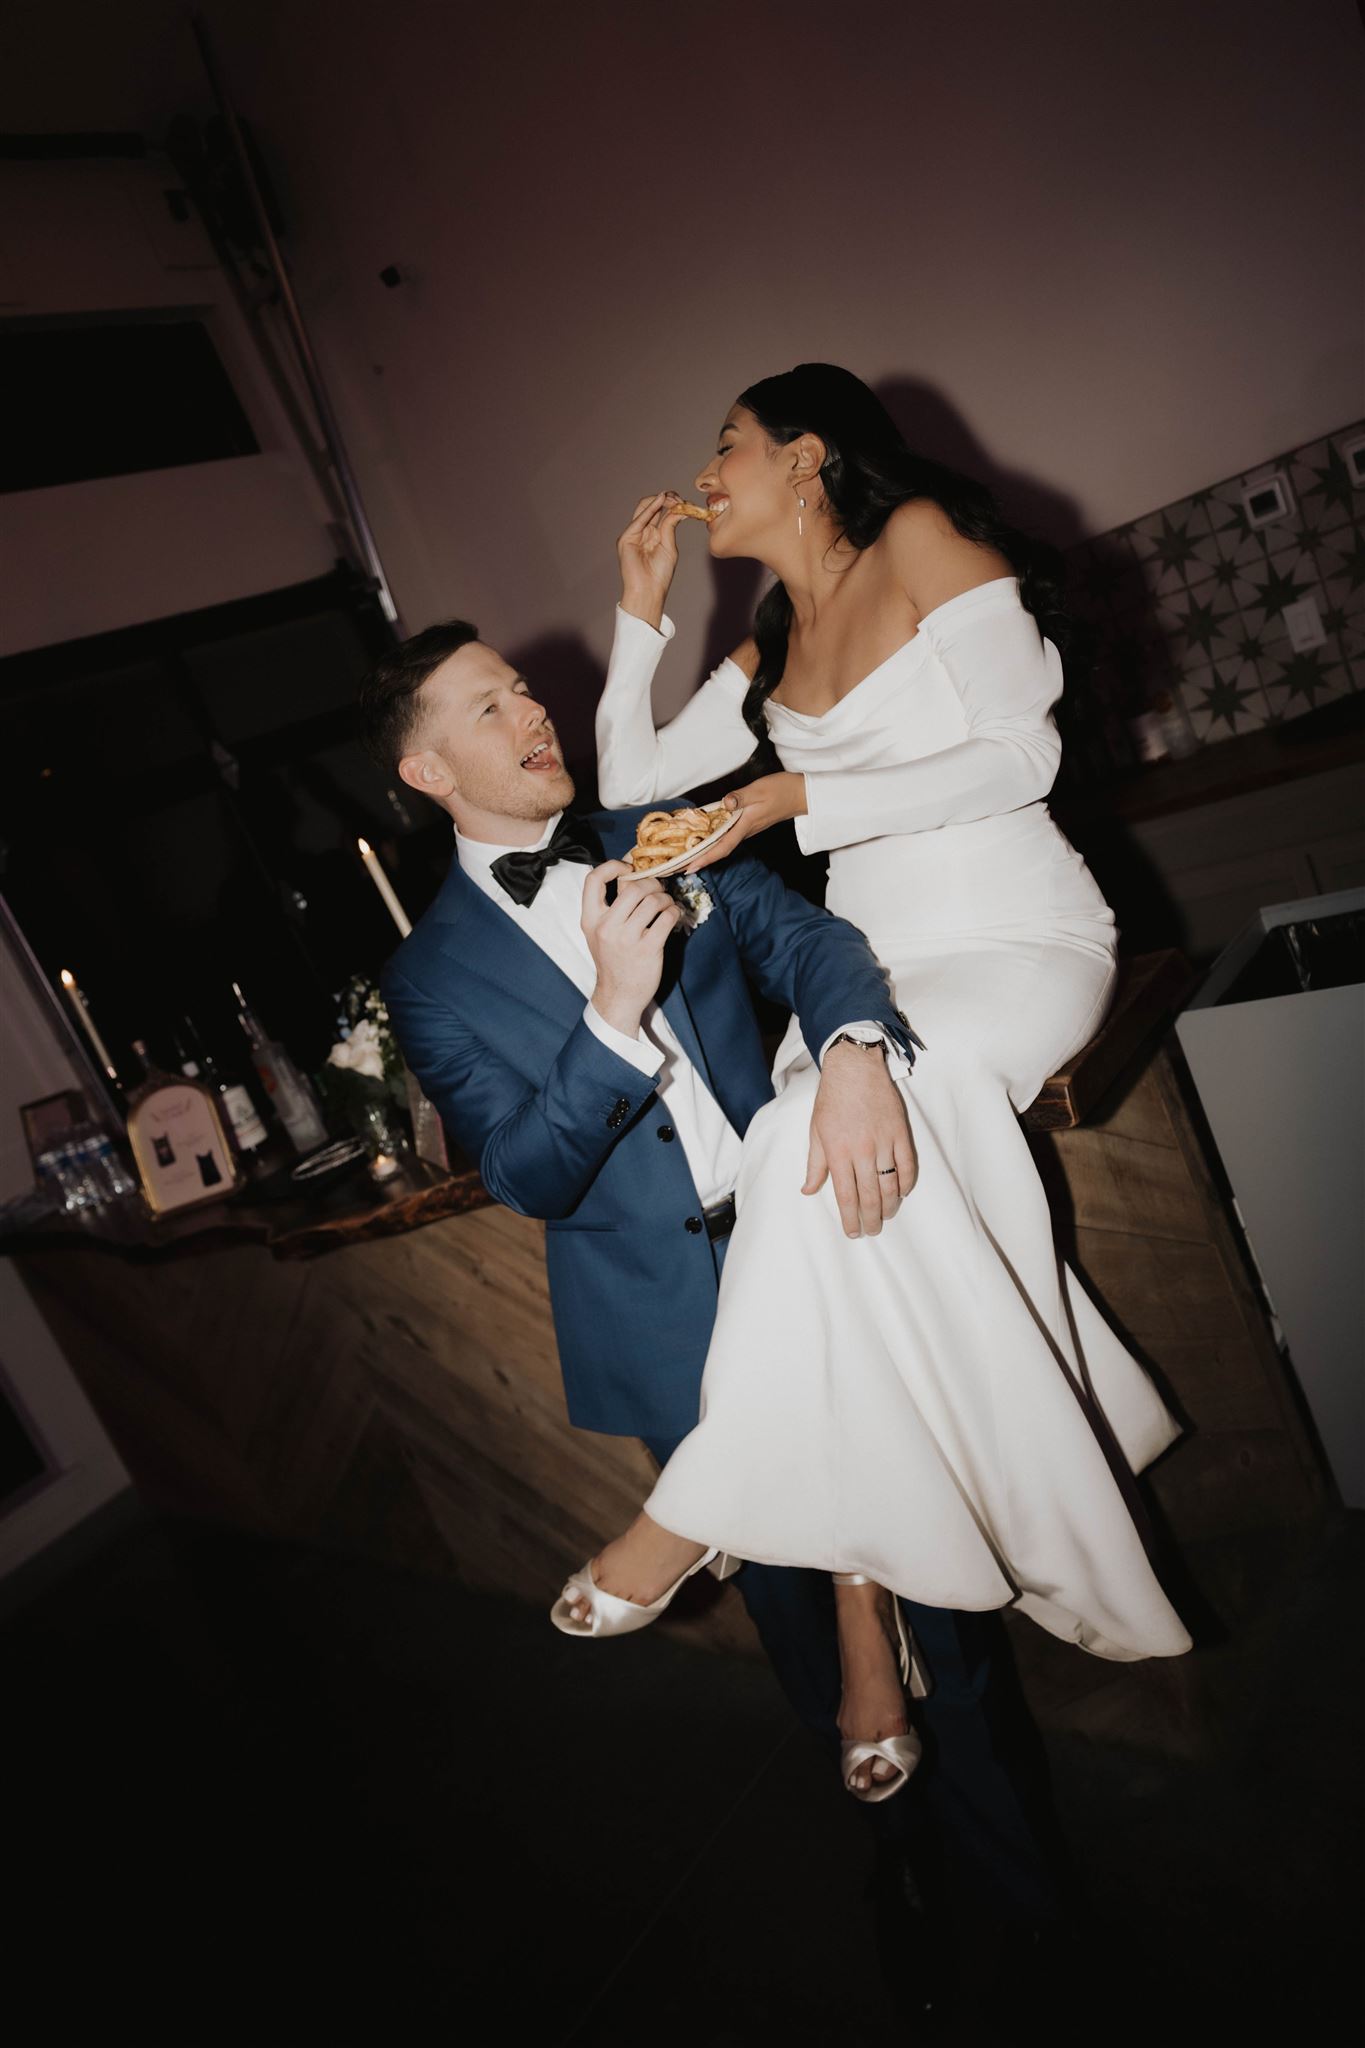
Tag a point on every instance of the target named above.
point(708, 738)
point(1007, 679)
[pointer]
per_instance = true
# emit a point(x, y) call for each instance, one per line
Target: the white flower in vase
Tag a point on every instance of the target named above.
point(361, 1051)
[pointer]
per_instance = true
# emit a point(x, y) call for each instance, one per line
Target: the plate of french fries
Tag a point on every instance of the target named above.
point(665, 841)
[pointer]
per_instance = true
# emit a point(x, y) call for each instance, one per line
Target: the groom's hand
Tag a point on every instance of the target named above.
point(626, 940)
point(858, 1130)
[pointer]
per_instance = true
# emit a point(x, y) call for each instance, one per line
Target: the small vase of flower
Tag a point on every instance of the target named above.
point(365, 1081)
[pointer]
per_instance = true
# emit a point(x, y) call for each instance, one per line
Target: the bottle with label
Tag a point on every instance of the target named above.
point(243, 1118)
point(291, 1098)
point(179, 1139)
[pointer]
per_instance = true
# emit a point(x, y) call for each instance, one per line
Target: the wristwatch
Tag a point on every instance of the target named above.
point(877, 1044)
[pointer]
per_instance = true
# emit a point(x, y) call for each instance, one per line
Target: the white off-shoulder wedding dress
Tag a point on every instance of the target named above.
point(941, 1407)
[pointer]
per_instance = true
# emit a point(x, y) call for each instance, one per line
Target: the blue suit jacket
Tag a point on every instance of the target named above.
point(564, 1128)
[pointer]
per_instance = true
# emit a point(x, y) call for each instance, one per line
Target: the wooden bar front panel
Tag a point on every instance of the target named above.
point(401, 1397)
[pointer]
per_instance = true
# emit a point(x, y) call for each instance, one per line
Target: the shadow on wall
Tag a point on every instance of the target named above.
point(1096, 704)
point(934, 427)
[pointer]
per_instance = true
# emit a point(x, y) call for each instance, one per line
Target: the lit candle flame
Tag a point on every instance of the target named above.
point(83, 1017)
point(375, 871)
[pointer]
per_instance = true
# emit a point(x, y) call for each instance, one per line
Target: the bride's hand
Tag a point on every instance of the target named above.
point(771, 800)
point(648, 554)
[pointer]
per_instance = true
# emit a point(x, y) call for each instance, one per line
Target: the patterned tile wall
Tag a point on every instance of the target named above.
point(1190, 599)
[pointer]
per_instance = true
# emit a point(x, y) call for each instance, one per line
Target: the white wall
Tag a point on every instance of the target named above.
point(87, 558)
point(1121, 244)
point(32, 1064)
point(85, 1471)
point(1111, 254)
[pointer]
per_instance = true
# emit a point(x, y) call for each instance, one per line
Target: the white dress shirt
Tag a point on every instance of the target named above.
point(553, 921)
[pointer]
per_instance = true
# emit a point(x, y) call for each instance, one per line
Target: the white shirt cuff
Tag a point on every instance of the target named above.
point(870, 1033)
point(645, 1058)
point(627, 623)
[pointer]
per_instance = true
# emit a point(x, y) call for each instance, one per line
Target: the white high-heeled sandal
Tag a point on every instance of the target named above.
point(608, 1615)
point(902, 1752)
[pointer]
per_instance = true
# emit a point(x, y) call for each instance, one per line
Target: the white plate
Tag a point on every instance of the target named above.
point(680, 861)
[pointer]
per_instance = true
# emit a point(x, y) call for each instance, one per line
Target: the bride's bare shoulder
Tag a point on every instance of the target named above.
point(931, 560)
point(745, 656)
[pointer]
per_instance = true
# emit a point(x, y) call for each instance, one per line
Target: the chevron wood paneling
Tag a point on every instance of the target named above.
point(401, 1397)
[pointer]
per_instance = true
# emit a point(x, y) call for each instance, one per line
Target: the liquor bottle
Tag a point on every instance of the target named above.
point(179, 1139)
point(244, 1119)
point(291, 1098)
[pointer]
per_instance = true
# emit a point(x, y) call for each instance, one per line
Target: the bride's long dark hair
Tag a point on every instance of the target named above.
point(867, 472)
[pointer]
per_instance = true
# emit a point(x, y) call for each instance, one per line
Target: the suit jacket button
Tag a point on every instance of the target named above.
point(694, 1224)
point(665, 1134)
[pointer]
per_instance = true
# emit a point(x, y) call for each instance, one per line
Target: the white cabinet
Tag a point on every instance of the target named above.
point(1281, 1076)
point(1221, 861)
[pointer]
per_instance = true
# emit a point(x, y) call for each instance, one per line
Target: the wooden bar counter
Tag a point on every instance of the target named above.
point(377, 1373)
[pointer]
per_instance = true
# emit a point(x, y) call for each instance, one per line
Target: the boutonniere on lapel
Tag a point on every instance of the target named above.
point(695, 898)
point(666, 840)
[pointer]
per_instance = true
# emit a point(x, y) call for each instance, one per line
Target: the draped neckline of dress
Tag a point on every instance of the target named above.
point(965, 599)
point(819, 717)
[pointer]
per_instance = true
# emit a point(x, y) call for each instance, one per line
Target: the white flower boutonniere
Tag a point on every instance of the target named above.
point(694, 896)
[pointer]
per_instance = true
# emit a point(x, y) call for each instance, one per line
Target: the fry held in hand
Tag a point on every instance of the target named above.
point(662, 836)
point(702, 512)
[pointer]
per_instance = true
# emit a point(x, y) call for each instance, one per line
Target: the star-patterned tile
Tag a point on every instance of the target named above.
point(1340, 594)
point(1302, 465)
point(1169, 584)
point(1206, 622)
point(1279, 587)
point(1329, 552)
point(1231, 587)
point(1232, 702)
point(1351, 641)
point(1304, 681)
point(1336, 486)
point(1353, 559)
point(1238, 541)
point(1297, 562)
point(1193, 682)
point(1194, 591)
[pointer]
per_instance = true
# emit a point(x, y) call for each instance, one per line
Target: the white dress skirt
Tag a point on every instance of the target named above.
point(942, 1406)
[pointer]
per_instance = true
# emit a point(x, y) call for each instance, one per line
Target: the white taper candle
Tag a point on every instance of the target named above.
point(384, 886)
point(87, 1023)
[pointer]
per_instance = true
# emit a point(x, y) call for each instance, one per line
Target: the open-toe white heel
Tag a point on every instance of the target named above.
point(610, 1616)
point(902, 1752)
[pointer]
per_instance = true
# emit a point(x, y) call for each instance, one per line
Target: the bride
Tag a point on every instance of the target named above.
point(906, 1388)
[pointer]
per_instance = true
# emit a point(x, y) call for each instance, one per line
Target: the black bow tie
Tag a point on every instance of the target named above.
point(521, 873)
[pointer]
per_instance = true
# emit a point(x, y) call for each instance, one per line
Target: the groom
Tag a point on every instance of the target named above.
point(601, 1065)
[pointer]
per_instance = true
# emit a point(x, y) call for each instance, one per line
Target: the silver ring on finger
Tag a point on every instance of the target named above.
point(882, 1171)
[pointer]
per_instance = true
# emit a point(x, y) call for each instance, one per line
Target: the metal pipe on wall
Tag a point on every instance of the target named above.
point(308, 363)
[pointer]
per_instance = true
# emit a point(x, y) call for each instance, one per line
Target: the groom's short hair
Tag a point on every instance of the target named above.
point(389, 713)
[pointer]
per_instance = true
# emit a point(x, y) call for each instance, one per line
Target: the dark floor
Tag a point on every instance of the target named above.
point(261, 1794)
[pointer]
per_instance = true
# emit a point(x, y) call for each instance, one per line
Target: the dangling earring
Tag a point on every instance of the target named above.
point(800, 528)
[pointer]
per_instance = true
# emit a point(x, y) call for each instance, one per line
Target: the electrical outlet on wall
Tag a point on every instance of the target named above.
point(1303, 622)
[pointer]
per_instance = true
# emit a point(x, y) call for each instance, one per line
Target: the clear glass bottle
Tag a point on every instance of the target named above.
point(110, 1169)
point(291, 1098)
point(244, 1120)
